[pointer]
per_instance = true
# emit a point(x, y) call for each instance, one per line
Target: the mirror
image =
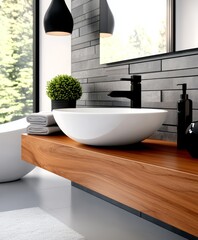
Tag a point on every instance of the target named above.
point(140, 29)
point(145, 28)
point(186, 18)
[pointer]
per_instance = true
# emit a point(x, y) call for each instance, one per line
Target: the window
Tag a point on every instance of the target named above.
point(18, 58)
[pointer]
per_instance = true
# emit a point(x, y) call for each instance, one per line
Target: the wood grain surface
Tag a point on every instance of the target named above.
point(153, 177)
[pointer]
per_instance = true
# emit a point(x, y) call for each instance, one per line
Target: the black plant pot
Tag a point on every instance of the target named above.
point(192, 139)
point(56, 104)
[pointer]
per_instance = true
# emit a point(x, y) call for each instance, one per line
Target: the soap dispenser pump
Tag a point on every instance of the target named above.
point(184, 108)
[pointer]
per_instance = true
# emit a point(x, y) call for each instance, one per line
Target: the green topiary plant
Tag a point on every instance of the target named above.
point(64, 87)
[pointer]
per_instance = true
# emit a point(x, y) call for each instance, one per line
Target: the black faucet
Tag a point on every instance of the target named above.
point(134, 94)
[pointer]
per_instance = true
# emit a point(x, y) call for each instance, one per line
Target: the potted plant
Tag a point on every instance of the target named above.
point(63, 90)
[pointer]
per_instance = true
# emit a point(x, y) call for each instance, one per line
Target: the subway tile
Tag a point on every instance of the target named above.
point(117, 77)
point(195, 105)
point(86, 21)
point(193, 94)
point(85, 8)
point(95, 42)
point(111, 86)
point(91, 5)
point(81, 103)
point(83, 80)
point(89, 73)
point(79, 20)
point(77, 11)
point(84, 65)
point(83, 54)
point(98, 104)
point(90, 17)
point(85, 38)
point(145, 67)
point(96, 96)
point(195, 115)
point(169, 83)
point(89, 28)
point(76, 33)
point(77, 3)
point(166, 128)
point(157, 84)
point(151, 96)
point(81, 46)
point(174, 95)
point(121, 103)
point(171, 117)
point(88, 88)
point(180, 63)
point(84, 97)
point(98, 49)
point(160, 105)
point(118, 70)
point(97, 79)
point(83, 23)
point(171, 74)
point(166, 136)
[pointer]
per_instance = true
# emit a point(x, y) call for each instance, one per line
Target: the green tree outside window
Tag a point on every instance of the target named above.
point(16, 59)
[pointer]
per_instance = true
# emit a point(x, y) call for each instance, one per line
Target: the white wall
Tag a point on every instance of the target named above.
point(55, 56)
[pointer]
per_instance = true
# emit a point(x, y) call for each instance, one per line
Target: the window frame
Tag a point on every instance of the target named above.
point(36, 30)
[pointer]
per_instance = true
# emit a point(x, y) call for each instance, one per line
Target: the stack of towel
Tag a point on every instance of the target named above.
point(42, 123)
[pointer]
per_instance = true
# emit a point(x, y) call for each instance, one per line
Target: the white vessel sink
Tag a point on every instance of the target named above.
point(109, 126)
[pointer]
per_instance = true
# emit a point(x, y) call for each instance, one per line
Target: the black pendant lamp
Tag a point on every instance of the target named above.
point(58, 20)
point(106, 20)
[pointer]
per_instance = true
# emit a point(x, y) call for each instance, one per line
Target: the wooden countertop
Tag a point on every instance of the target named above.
point(153, 177)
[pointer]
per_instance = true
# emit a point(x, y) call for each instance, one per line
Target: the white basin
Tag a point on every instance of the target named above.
point(109, 126)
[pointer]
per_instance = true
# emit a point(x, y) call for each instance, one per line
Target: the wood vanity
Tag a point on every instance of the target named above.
point(153, 177)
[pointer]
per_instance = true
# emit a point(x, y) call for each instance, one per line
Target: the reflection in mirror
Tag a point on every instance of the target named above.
point(140, 30)
point(106, 20)
point(186, 24)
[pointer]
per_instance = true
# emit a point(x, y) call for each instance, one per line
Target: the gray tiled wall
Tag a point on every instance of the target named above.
point(160, 74)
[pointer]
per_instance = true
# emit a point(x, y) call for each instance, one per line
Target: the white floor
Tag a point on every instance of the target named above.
point(92, 217)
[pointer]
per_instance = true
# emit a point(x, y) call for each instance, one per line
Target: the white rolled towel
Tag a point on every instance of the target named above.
point(41, 118)
point(42, 130)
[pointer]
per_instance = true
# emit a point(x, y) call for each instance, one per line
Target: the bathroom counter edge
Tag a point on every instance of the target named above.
point(153, 177)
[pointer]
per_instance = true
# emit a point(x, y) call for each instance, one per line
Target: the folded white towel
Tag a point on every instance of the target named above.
point(42, 130)
point(41, 118)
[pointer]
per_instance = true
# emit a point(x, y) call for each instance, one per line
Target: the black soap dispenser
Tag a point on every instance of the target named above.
point(184, 108)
